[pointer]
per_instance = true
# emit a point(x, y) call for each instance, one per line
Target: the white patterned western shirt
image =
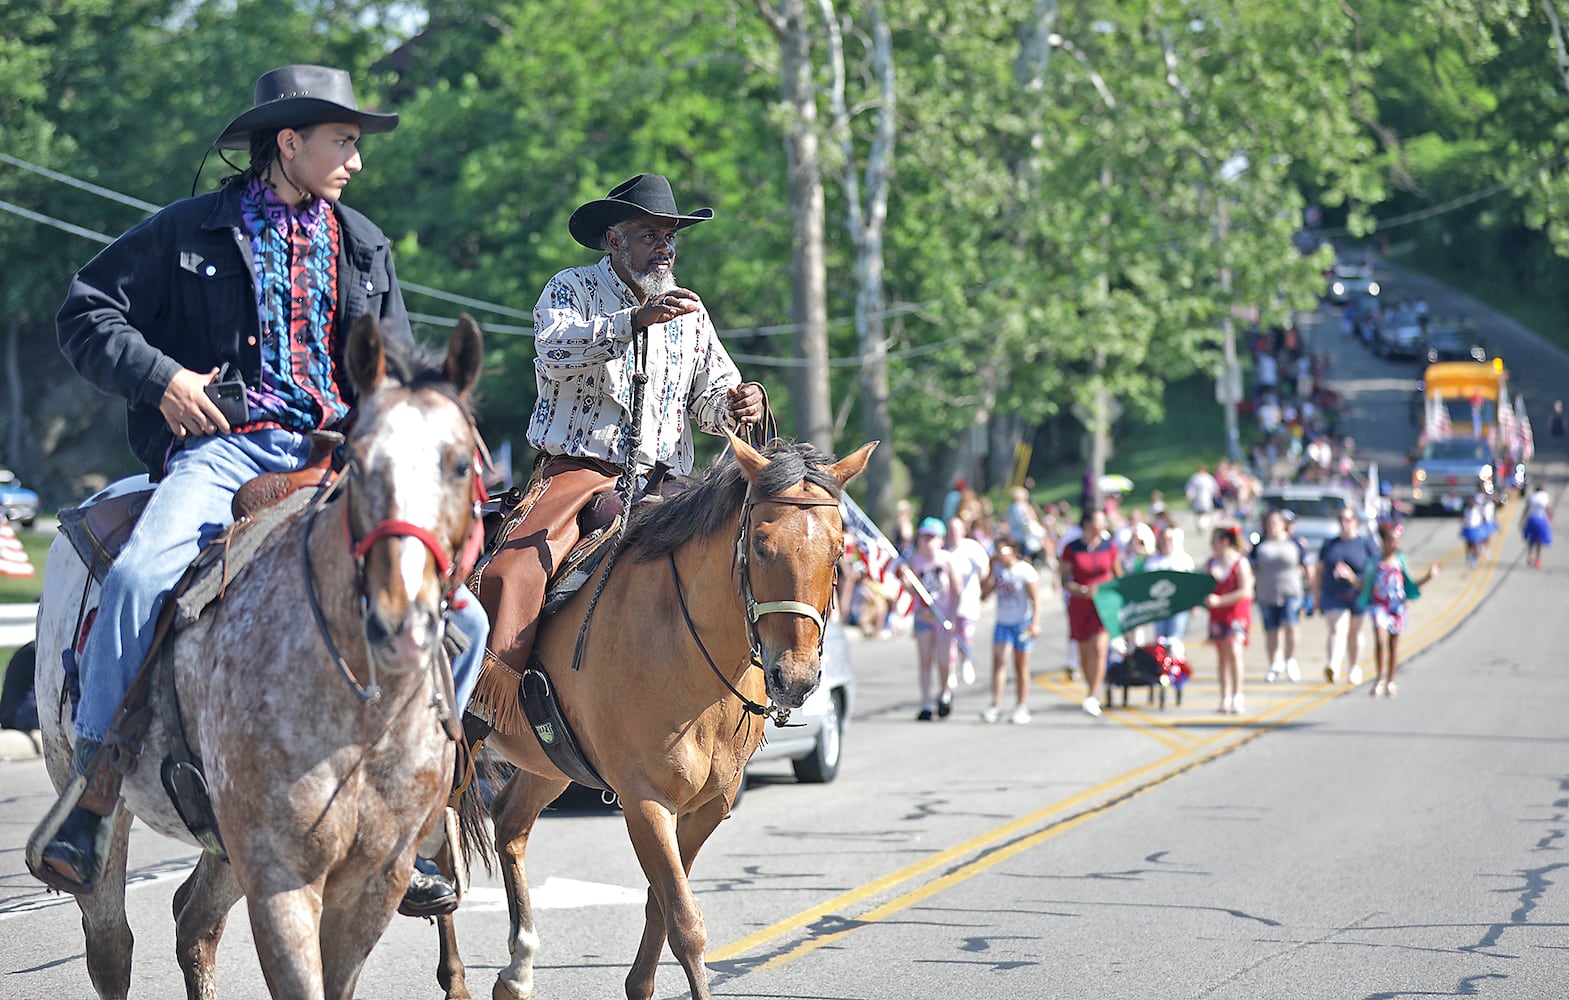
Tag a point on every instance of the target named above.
point(584, 365)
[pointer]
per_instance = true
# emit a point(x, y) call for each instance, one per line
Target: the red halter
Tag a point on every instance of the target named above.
point(454, 574)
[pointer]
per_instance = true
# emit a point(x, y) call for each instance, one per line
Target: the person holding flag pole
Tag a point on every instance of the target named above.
point(933, 577)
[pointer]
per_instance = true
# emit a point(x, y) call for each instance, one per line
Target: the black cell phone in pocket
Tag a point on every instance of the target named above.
point(228, 393)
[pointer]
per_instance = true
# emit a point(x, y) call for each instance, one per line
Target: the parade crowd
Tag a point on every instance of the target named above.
point(1034, 558)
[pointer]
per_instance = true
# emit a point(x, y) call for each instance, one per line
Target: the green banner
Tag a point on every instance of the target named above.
point(1141, 598)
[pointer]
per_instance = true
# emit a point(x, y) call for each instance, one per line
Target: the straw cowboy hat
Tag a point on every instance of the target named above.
point(645, 194)
point(298, 96)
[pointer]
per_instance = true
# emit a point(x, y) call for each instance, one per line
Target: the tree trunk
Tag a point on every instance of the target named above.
point(808, 263)
point(866, 220)
point(15, 397)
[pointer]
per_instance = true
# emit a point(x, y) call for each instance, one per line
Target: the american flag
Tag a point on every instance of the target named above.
point(1525, 441)
point(13, 558)
point(1438, 428)
point(879, 555)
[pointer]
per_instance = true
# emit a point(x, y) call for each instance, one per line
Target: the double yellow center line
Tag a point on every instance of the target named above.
point(1188, 751)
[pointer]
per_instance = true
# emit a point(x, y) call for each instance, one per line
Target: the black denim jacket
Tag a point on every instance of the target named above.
point(179, 291)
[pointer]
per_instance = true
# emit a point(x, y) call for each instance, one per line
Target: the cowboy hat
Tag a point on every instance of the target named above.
point(645, 194)
point(298, 96)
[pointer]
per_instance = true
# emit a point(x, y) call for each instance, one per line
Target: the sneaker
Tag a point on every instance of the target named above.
point(1237, 705)
point(1390, 690)
point(1271, 675)
point(1378, 688)
point(967, 671)
point(1331, 675)
point(1091, 706)
point(924, 715)
point(1293, 672)
point(991, 714)
point(1226, 707)
point(945, 708)
point(1355, 676)
point(1020, 716)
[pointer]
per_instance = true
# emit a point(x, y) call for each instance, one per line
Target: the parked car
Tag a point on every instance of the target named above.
point(17, 502)
point(813, 741)
point(1313, 512)
point(1451, 471)
point(1453, 343)
point(1399, 335)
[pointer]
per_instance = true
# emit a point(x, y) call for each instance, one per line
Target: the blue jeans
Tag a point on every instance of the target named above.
point(1174, 627)
point(189, 509)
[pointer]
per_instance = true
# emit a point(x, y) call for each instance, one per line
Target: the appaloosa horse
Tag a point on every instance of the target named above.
point(715, 604)
point(324, 749)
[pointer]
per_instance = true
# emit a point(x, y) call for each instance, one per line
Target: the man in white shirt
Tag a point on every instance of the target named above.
point(595, 328)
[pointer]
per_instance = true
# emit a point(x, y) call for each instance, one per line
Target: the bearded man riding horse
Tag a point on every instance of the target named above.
point(625, 361)
point(262, 281)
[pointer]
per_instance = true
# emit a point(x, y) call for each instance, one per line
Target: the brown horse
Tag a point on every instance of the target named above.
point(323, 745)
point(737, 572)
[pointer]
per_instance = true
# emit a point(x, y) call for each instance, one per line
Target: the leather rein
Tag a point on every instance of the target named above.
point(756, 609)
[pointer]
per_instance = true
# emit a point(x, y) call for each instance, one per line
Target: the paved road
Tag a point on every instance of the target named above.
point(1324, 845)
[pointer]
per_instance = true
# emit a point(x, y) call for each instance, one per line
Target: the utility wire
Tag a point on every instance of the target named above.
point(102, 192)
point(1454, 203)
point(756, 331)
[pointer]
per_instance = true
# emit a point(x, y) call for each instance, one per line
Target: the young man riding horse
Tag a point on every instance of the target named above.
point(262, 278)
point(599, 330)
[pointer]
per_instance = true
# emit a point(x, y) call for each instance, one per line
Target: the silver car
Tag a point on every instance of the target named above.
point(1313, 512)
point(813, 741)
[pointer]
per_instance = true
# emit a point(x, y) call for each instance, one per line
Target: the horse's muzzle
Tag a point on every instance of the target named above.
point(791, 676)
point(405, 646)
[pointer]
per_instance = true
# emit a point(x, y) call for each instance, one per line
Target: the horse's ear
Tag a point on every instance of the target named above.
point(365, 355)
point(850, 466)
point(465, 354)
point(750, 459)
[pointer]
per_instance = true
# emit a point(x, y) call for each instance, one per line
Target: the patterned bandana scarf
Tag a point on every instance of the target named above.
point(296, 253)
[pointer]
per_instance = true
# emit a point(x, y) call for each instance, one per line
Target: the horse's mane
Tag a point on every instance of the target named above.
point(417, 366)
point(714, 503)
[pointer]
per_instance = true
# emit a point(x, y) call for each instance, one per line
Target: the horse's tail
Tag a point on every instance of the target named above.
point(481, 771)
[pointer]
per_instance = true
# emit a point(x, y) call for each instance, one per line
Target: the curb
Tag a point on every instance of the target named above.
point(17, 745)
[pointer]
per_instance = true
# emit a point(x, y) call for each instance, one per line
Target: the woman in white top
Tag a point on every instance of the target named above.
point(1538, 527)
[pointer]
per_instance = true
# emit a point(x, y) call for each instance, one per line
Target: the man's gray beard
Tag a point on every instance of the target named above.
point(647, 282)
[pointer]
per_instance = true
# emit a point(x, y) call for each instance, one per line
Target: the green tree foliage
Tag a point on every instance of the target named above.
point(1070, 179)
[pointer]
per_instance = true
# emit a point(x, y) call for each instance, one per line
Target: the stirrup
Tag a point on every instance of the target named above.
point(49, 827)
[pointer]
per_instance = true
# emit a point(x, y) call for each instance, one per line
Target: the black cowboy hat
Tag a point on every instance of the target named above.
point(645, 194)
point(297, 96)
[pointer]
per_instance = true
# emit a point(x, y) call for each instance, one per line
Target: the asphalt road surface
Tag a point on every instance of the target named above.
point(1323, 845)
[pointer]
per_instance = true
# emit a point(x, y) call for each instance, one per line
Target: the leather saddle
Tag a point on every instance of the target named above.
point(599, 523)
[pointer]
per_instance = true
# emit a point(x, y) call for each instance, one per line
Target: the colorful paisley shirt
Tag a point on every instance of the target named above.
point(584, 366)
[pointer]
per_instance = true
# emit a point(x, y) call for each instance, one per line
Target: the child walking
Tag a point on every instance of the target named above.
point(1016, 584)
point(1386, 587)
point(1230, 612)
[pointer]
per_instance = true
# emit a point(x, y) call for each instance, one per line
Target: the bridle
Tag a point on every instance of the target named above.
point(453, 571)
point(756, 609)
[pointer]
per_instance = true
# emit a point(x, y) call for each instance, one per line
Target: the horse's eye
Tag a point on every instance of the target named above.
point(462, 469)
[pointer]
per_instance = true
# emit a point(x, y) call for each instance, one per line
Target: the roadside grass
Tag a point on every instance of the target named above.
point(1158, 456)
